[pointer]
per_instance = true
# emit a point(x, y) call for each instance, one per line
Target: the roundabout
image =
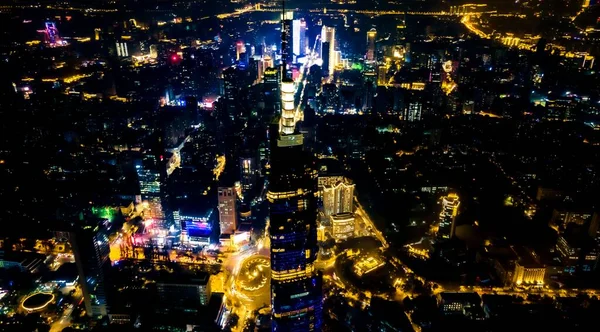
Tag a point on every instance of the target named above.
point(37, 301)
point(254, 274)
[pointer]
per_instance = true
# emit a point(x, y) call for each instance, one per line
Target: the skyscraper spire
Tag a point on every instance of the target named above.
point(287, 122)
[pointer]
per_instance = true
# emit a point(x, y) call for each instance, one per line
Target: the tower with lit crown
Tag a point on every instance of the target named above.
point(296, 287)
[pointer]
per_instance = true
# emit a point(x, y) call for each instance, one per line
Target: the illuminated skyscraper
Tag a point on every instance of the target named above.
point(448, 216)
point(227, 209)
point(371, 34)
point(328, 36)
point(299, 37)
point(122, 50)
point(296, 287)
point(302, 37)
point(296, 37)
point(286, 34)
point(240, 48)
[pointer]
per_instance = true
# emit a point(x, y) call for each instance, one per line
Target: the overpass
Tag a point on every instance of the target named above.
point(259, 8)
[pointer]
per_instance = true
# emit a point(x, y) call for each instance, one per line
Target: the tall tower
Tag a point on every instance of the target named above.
point(302, 37)
point(371, 34)
point(299, 37)
point(296, 37)
point(286, 36)
point(91, 249)
point(296, 287)
point(447, 219)
point(328, 36)
point(227, 209)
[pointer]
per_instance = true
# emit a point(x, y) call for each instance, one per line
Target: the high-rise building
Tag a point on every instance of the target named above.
point(89, 242)
point(412, 113)
point(299, 37)
point(448, 216)
point(122, 50)
point(328, 36)
point(371, 34)
point(183, 291)
point(227, 209)
point(382, 78)
point(296, 37)
point(249, 172)
point(302, 37)
point(296, 294)
point(296, 286)
point(240, 48)
point(338, 197)
point(325, 56)
point(286, 38)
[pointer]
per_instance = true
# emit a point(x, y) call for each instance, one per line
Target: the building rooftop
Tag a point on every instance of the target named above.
point(526, 257)
point(190, 278)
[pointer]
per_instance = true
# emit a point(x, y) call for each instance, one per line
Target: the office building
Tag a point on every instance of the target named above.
point(326, 58)
point(461, 304)
point(122, 50)
point(338, 197)
point(299, 37)
point(371, 34)
point(249, 172)
point(328, 36)
point(412, 112)
point(528, 269)
point(183, 291)
point(302, 37)
point(296, 37)
point(89, 241)
point(447, 216)
point(227, 209)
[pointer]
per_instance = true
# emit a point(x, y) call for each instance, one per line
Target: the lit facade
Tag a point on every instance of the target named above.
point(296, 37)
point(450, 205)
point(122, 50)
point(342, 225)
point(286, 33)
point(302, 37)
point(328, 36)
point(249, 173)
point(529, 274)
point(227, 209)
point(296, 294)
point(296, 286)
point(287, 123)
point(338, 197)
point(413, 112)
point(371, 34)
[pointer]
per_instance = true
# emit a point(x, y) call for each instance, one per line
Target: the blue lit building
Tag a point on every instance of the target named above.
point(296, 286)
point(296, 294)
